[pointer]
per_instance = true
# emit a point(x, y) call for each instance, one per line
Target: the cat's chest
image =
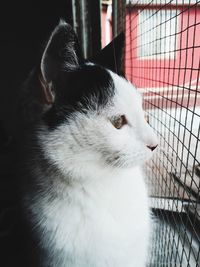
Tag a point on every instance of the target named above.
point(102, 215)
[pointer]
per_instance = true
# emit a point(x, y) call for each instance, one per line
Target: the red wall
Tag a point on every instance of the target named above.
point(178, 76)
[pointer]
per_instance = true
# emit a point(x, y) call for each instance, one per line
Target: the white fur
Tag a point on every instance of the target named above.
point(101, 216)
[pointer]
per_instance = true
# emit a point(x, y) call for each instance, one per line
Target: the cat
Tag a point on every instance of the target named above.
point(84, 197)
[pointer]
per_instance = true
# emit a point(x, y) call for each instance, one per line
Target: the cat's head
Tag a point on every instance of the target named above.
point(94, 117)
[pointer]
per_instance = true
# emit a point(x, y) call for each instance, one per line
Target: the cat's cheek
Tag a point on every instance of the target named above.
point(119, 139)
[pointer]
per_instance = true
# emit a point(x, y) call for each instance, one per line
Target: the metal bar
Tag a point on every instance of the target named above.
point(114, 17)
point(87, 24)
point(84, 26)
point(95, 23)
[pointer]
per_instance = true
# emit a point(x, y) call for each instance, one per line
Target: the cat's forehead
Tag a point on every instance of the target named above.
point(86, 82)
point(126, 95)
point(87, 88)
point(91, 80)
point(92, 88)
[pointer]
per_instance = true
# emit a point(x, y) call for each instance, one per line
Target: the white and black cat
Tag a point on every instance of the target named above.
point(84, 194)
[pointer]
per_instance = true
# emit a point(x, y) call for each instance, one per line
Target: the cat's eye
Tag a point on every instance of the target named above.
point(119, 121)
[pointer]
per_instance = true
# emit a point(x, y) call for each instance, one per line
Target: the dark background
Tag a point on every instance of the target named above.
point(24, 30)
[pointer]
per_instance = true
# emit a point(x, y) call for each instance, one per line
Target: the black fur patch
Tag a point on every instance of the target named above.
point(79, 87)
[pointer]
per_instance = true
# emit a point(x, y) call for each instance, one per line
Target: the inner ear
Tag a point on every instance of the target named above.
point(62, 52)
point(48, 95)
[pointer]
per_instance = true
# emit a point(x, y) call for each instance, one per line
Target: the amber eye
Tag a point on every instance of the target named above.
point(119, 121)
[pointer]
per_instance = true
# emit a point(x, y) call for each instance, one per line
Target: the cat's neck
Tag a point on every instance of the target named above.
point(94, 174)
point(89, 177)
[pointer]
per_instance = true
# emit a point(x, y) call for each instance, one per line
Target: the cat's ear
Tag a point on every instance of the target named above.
point(62, 53)
point(111, 55)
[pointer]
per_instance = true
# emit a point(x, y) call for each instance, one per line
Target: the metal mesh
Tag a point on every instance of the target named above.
point(162, 58)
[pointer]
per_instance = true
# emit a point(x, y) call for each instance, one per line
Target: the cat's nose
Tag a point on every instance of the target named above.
point(152, 147)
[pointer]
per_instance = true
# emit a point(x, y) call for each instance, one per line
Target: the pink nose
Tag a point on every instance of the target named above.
point(152, 147)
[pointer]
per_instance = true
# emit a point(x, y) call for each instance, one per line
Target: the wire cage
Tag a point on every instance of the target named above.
point(162, 59)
